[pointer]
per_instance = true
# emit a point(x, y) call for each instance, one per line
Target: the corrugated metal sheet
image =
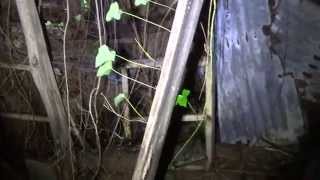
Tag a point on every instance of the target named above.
point(257, 96)
point(297, 26)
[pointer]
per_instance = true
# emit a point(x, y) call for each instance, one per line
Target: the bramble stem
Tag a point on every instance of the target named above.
point(138, 64)
point(134, 109)
point(147, 21)
point(162, 5)
point(144, 51)
point(142, 83)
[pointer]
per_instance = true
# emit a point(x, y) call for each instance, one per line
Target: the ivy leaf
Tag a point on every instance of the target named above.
point(84, 4)
point(61, 24)
point(118, 99)
point(105, 69)
point(48, 23)
point(185, 92)
point(104, 54)
point(182, 99)
point(141, 2)
point(114, 12)
point(78, 17)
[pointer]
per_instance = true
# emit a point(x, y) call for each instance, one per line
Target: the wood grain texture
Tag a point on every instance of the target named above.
point(126, 110)
point(177, 52)
point(43, 75)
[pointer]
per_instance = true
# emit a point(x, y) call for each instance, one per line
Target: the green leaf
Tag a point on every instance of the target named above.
point(141, 2)
point(185, 92)
point(78, 17)
point(182, 99)
point(114, 12)
point(61, 24)
point(105, 54)
point(105, 69)
point(118, 99)
point(84, 4)
point(48, 23)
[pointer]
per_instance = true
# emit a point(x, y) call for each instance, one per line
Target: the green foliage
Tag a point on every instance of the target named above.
point(114, 12)
point(78, 17)
point(104, 60)
point(141, 2)
point(61, 25)
point(182, 99)
point(118, 99)
point(105, 69)
point(48, 23)
point(54, 25)
point(84, 4)
point(104, 54)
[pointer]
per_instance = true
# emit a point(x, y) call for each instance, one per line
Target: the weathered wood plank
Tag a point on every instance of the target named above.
point(15, 66)
point(43, 75)
point(30, 117)
point(177, 52)
point(210, 111)
point(24, 117)
point(188, 118)
point(41, 70)
point(126, 113)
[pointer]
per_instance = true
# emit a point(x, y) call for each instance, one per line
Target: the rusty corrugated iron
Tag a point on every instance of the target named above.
point(263, 48)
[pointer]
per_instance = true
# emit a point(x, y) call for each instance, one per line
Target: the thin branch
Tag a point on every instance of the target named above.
point(110, 108)
point(155, 24)
point(67, 87)
point(139, 82)
point(162, 5)
point(138, 64)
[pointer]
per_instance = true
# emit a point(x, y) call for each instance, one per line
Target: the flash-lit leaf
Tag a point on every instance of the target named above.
point(48, 23)
point(61, 24)
point(185, 92)
point(84, 4)
point(182, 99)
point(114, 12)
point(141, 2)
point(105, 69)
point(118, 99)
point(105, 54)
point(78, 17)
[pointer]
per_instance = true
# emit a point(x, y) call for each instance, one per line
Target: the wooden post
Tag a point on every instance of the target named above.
point(125, 89)
point(43, 76)
point(177, 52)
point(210, 111)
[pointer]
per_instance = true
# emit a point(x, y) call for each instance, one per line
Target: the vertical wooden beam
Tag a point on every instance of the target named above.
point(210, 112)
point(210, 78)
point(125, 89)
point(177, 52)
point(42, 73)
